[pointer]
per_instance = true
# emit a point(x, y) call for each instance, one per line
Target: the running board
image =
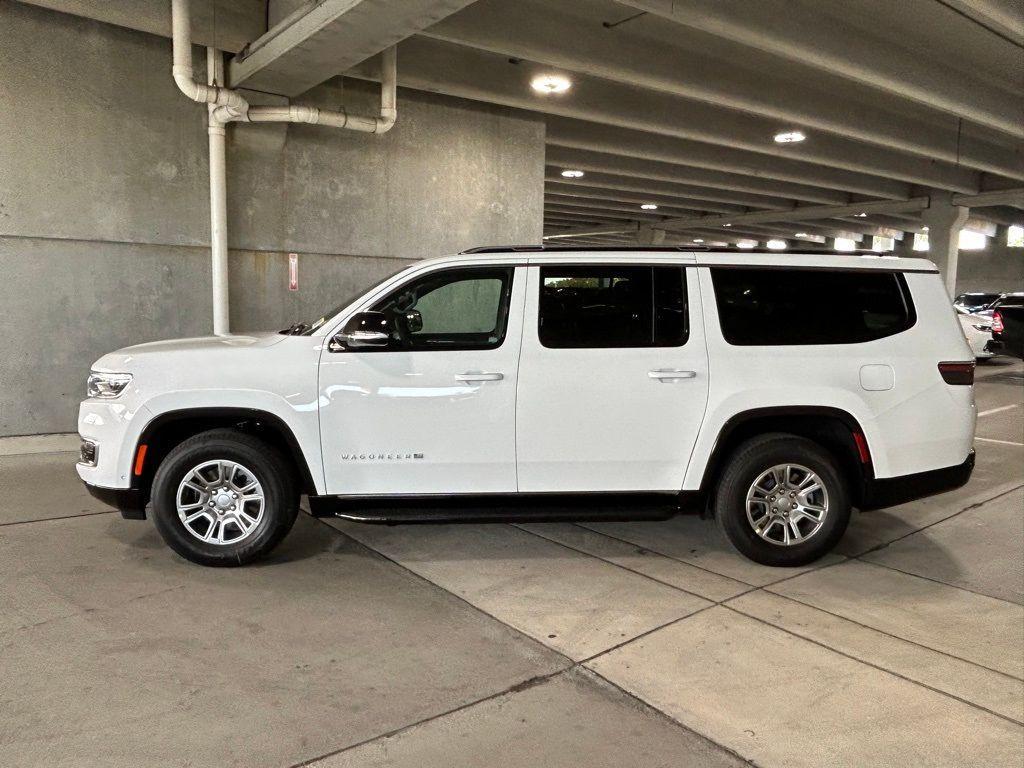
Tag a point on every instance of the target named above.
point(547, 507)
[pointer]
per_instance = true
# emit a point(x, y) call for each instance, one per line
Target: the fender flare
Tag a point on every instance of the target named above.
point(737, 420)
point(291, 448)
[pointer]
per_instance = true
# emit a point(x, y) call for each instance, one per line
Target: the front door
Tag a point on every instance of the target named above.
point(434, 411)
point(613, 377)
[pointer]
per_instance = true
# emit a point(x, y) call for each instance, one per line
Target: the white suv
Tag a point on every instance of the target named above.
point(774, 391)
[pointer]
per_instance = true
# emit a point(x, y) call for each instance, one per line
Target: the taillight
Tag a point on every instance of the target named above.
point(957, 373)
point(997, 323)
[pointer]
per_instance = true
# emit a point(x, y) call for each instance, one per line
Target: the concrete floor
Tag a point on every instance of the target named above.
point(613, 644)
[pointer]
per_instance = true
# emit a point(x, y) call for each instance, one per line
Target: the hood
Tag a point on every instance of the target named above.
point(122, 359)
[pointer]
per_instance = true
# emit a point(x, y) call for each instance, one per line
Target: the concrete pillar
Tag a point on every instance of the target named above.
point(905, 247)
point(647, 235)
point(944, 221)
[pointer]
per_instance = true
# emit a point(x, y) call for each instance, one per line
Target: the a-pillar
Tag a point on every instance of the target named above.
point(944, 221)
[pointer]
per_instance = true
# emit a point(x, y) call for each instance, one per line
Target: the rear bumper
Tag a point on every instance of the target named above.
point(130, 502)
point(891, 491)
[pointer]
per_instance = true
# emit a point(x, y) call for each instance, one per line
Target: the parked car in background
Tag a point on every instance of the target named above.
point(972, 302)
point(1016, 298)
point(978, 331)
point(1008, 329)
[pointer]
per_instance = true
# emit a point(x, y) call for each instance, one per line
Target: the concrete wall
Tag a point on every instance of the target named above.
point(996, 268)
point(104, 219)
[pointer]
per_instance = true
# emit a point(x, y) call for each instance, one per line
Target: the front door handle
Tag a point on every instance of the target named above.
point(670, 374)
point(479, 376)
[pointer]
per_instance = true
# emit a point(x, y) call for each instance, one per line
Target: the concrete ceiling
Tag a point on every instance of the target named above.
point(676, 102)
point(319, 40)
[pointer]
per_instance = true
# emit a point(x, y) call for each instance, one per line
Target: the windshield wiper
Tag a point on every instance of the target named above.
point(295, 329)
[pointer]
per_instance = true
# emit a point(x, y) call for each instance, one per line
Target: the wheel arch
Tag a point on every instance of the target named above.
point(835, 429)
point(170, 428)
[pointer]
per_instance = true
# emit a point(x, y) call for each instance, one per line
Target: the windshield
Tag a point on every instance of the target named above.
point(306, 329)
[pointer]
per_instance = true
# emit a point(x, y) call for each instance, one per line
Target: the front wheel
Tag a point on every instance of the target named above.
point(224, 498)
point(782, 501)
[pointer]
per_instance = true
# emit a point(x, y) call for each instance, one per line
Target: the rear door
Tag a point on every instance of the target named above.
point(613, 377)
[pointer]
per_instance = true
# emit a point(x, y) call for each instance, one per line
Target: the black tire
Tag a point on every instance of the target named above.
point(745, 466)
point(267, 466)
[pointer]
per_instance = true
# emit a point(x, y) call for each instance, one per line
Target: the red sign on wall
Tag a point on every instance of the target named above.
point(293, 271)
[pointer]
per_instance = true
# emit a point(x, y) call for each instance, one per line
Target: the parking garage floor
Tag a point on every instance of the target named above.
point(610, 644)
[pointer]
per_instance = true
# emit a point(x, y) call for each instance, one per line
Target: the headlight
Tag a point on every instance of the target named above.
point(107, 385)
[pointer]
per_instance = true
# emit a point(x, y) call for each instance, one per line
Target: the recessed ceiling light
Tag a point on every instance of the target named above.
point(800, 234)
point(777, 245)
point(861, 215)
point(789, 137)
point(649, 207)
point(727, 225)
point(746, 244)
point(697, 240)
point(550, 84)
point(571, 173)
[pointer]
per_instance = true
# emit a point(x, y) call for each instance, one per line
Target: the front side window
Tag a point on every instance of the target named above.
point(612, 306)
point(452, 310)
point(763, 307)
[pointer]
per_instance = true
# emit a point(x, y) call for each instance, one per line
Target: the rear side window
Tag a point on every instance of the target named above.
point(761, 307)
point(613, 306)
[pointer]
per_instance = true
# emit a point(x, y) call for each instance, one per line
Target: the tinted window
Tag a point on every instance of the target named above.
point(454, 309)
point(789, 306)
point(613, 306)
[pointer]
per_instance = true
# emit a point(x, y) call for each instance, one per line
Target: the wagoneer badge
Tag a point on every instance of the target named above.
point(398, 456)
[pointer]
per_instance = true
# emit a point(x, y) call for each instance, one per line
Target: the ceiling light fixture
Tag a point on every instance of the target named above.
point(572, 173)
point(789, 137)
point(777, 245)
point(727, 225)
point(746, 244)
point(550, 84)
point(861, 215)
point(697, 240)
point(800, 234)
point(649, 207)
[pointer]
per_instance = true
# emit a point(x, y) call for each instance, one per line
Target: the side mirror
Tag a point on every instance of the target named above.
point(413, 321)
point(364, 330)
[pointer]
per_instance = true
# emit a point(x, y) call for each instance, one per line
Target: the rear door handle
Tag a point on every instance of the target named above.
point(479, 376)
point(669, 374)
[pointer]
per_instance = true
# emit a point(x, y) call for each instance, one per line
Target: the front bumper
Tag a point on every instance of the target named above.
point(890, 491)
point(130, 502)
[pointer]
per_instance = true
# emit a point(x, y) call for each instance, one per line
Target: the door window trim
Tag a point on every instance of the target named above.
point(504, 271)
point(603, 265)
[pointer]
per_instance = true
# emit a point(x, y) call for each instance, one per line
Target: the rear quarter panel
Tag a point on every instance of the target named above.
point(921, 423)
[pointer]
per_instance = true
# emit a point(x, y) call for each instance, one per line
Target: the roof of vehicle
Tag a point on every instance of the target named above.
point(752, 257)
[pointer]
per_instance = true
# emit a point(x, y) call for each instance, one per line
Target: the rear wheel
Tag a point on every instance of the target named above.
point(781, 500)
point(224, 498)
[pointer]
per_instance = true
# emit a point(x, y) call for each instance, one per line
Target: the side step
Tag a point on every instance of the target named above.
point(549, 507)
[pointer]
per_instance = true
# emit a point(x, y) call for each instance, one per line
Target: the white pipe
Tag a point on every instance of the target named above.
point(299, 113)
point(231, 105)
point(219, 227)
point(226, 105)
point(181, 41)
point(218, 201)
